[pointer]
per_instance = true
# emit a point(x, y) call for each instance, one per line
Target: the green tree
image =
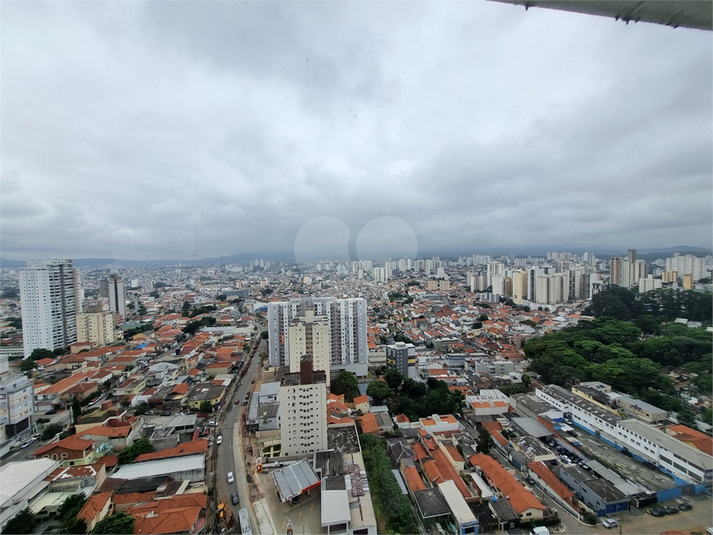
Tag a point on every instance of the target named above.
point(27, 365)
point(379, 392)
point(345, 383)
point(70, 507)
point(51, 430)
point(118, 523)
point(485, 440)
point(483, 317)
point(526, 381)
point(265, 335)
point(41, 353)
point(205, 406)
point(393, 378)
point(23, 522)
point(76, 409)
point(139, 447)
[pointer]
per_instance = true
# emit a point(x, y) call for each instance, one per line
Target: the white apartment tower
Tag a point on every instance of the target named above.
point(117, 299)
point(48, 295)
point(310, 336)
point(303, 411)
point(347, 323)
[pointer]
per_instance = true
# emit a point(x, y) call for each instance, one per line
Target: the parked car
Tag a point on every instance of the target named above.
point(231, 478)
point(201, 415)
point(150, 413)
point(219, 440)
point(684, 506)
point(609, 523)
point(165, 413)
point(671, 510)
point(245, 402)
point(234, 499)
point(658, 512)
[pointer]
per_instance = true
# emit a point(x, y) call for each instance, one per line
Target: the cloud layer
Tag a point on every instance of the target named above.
point(178, 130)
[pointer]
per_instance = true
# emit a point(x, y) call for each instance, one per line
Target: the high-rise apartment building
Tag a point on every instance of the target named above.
point(615, 268)
point(687, 265)
point(96, 327)
point(48, 295)
point(16, 401)
point(117, 298)
point(347, 322)
point(310, 336)
point(303, 411)
point(519, 287)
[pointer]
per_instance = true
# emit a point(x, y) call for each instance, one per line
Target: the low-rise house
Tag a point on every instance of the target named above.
point(361, 403)
point(523, 502)
point(69, 451)
point(180, 514)
point(96, 509)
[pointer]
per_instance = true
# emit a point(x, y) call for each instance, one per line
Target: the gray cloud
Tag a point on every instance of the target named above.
point(186, 129)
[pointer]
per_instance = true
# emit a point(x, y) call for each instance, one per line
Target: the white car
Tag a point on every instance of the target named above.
point(230, 477)
point(609, 523)
point(219, 440)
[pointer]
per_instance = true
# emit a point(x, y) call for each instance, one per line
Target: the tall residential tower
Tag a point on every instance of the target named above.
point(49, 292)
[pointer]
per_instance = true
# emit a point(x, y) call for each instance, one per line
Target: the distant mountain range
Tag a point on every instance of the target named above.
point(241, 258)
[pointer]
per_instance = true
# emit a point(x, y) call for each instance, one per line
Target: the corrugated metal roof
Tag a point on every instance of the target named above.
point(294, 479)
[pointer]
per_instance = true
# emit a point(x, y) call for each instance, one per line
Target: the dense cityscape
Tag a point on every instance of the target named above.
point(479, 394)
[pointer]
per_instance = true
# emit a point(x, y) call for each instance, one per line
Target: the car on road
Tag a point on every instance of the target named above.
point(609, 523)
point(234, 499)
point(219, 440)
point(25, 444)
point(231, 478)
point(237, 402)
point(684, 506)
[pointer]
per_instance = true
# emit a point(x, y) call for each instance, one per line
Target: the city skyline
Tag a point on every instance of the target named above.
point(184, 131)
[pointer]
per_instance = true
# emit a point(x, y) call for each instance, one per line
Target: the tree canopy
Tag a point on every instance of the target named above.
point(142, 445)
point(118, 523)
point(345, 383)
point(614, 351)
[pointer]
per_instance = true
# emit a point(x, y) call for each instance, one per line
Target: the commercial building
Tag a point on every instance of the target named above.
point(641, 440)
point(49, 295)
point(399, 356)
point(20, 483)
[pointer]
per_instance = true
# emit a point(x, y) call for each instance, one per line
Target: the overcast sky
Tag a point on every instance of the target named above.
point(181, 130)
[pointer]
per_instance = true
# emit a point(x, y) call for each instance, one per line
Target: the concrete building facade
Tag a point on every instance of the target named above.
point(49, 291)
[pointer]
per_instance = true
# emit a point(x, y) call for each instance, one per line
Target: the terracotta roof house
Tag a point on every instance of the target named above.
point(96, 508)
point(69, 451)
point(523, 502)
point(181, 514)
